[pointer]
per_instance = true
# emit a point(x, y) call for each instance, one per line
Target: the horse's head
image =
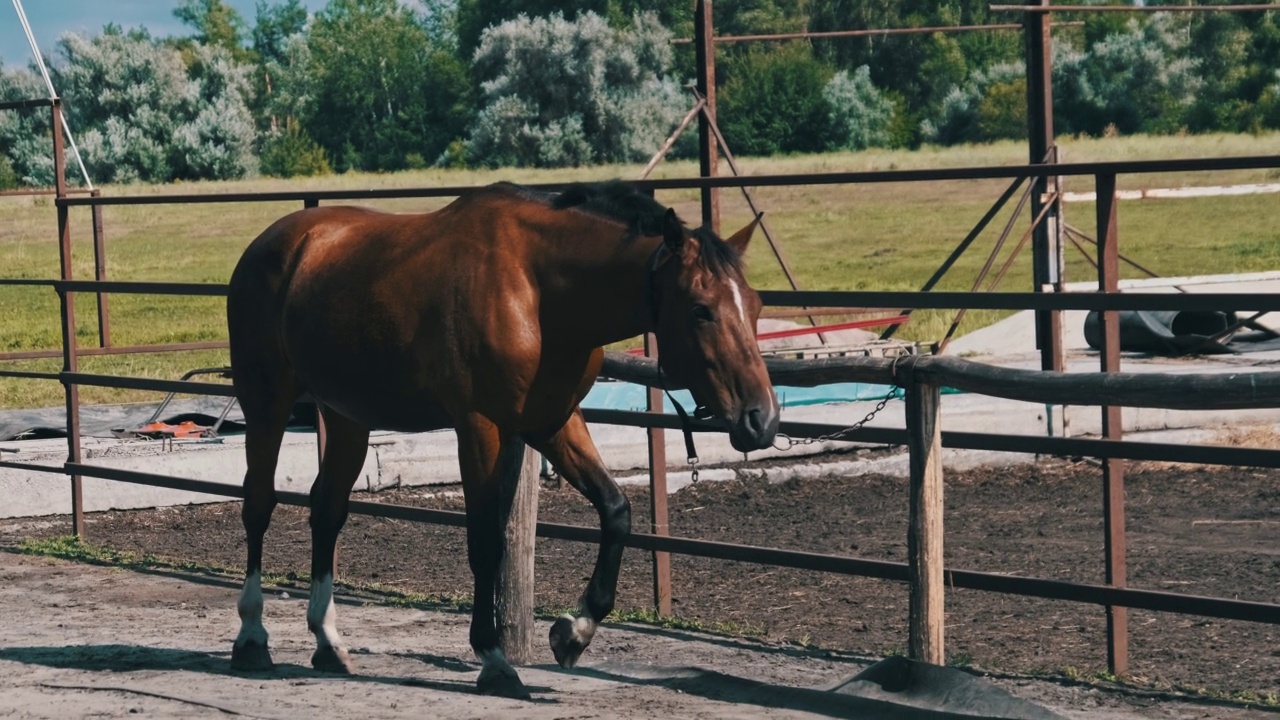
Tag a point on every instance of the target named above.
point(705, 319)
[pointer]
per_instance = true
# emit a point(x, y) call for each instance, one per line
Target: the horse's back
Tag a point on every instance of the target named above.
point(382, 315)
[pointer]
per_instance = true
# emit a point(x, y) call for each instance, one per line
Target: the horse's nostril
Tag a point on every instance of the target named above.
point(755, 422)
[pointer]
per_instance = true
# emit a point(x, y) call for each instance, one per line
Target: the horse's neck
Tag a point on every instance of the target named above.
point(597, 288)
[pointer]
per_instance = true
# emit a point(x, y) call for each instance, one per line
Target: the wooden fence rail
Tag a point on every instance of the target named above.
point(923, 377)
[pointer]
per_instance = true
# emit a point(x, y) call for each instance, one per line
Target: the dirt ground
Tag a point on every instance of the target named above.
point(1204, 532)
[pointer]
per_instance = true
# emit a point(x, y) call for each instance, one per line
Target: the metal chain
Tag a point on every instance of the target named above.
point(796, 442)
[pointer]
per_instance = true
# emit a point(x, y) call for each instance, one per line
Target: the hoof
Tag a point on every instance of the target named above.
point(331, 659)
point(569, 638)
point(500, 681)
point(251, 657)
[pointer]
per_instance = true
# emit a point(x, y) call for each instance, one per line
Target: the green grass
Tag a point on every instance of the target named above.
point(846, 237)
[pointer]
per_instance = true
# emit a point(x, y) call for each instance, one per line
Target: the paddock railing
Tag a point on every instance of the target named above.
point(921, 376)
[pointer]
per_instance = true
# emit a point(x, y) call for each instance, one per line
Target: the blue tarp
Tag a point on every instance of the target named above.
point(625, 396)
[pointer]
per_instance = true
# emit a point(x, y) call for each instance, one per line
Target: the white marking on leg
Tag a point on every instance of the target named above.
point(250, 608)
point(737, 300)
point(584, 628)
point(321, 618)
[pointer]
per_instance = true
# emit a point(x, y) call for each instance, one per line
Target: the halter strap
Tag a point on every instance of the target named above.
point(686, 426)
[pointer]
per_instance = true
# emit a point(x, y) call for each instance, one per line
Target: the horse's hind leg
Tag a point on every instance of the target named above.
point(266, 403)
point(488, 459)
point(345, 448)
point(571, 451)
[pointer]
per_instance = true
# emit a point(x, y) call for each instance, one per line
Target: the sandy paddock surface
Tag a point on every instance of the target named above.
point(79, 640)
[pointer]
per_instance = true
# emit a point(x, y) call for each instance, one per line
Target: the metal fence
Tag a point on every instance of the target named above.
point(924, 572)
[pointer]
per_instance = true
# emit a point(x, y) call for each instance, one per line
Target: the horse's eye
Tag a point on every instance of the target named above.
point(702, 313)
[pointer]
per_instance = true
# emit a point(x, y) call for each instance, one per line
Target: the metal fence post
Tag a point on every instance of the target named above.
point(708, 151)
point(1112, 427)
point(100, 271)
point(70, 359)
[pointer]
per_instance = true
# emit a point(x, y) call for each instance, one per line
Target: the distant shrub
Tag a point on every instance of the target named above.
point(860, 115)
point(1268, 108)
point(143, 113)
point(557, 92)
point(292, 153)
point(8, 177)
point(1002, 112)
point(1139, 80)
point(985, 108)
point(773, 102)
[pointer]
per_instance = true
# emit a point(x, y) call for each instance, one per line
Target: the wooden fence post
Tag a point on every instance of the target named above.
point(514, 589)
point(658, 515)
point(925, 531)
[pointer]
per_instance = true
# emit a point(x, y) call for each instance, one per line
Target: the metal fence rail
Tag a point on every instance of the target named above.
point(921, 376)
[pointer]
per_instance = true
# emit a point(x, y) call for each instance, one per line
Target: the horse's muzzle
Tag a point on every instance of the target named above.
point(754, 428)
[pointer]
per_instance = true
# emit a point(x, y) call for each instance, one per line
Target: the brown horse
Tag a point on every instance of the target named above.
point(488, 316)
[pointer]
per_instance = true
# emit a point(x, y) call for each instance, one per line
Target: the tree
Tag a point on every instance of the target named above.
point(773, 102)
point(921, 69)
point(859, 114)
point(274, 25)
point(143, 114)
point(561, 92)
point(990, 105)
point(1140, 80)
point(476, 16)
point(216, 23)
point(380, 89)
point(25, 135)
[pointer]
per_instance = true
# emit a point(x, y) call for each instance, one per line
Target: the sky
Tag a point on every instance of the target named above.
point(51, 18)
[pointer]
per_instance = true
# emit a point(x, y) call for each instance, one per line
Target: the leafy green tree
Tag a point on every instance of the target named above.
point(274, 25)
point(561, 92)
point(1237, 55)
point(773, 102)
point(860, 115)
point(921, 69)
point(216, 23)
point(292, 153)
point(476, 16)
point(1140, 80)
point(990, 105)
point(25, 144)
point(143, 114)
point(380, 88)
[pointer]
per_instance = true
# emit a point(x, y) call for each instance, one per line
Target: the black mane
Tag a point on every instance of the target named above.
point(623, 203)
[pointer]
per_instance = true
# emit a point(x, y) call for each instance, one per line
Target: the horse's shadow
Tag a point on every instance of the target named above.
point(741, 691)
point(132, 658)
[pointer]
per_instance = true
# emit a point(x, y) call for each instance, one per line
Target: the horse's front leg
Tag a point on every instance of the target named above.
point(488, 459)
point(571, 451)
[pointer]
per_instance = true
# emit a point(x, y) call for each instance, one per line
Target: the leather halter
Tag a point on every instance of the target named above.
point(660, 256)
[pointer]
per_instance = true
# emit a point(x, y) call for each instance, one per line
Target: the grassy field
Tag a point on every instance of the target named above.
point(865, 237)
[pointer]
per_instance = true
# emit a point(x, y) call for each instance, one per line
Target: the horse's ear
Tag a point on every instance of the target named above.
point(739, 240)
point(672, 232)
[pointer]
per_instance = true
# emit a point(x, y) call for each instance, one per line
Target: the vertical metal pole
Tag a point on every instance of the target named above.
point(1046, 271)
point(709, 157)
point(1112, 428)
point(925, 530)
point(100, 273)
point(70, 358)
point(658, 518)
